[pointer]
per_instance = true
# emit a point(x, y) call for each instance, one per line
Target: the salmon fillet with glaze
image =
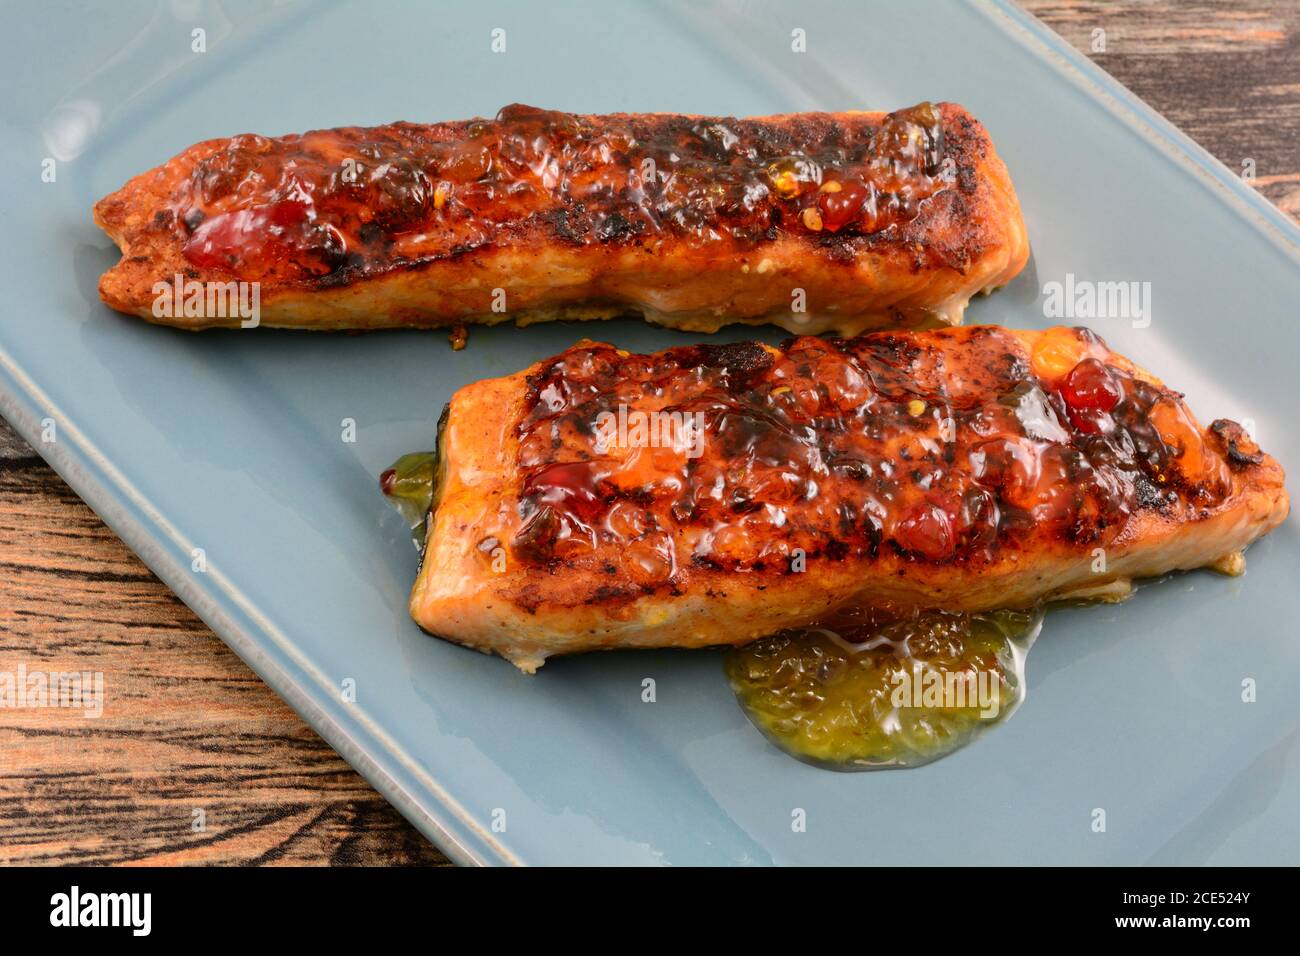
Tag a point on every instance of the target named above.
point(964, 469)
point(814, 221)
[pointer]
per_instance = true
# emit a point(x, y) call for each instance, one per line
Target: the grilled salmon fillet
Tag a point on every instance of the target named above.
point(814, 221)
point(714, 494)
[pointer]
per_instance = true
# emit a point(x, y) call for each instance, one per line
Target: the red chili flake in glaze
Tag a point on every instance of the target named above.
point(1010, 465)
point(422, 193)
point(1090, 392)
point(1090, 385)
point(844, 205)
point(977, 518)
point(245, 236)
point(569, 486)
point(941, 447)
point(927, 530)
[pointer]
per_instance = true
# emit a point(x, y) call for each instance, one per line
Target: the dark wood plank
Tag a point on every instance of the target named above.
point(187, 726)
point(1225, 73)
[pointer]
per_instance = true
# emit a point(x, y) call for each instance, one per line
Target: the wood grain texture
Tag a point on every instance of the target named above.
point(187, 726)
point(1227, 74)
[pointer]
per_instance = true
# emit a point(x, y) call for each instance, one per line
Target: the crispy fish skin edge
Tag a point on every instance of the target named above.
point(458, 597)
point(547, 279)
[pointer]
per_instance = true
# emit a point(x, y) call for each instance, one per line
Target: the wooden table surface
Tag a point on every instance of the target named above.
point(192, 729)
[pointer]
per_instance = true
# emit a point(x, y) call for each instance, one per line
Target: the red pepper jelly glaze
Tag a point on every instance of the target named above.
point(942, 447)
point(332, 205)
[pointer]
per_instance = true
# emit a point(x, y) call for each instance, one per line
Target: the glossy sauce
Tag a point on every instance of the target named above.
point(408, 486)
point(345, 202)
point(865, 689)
point(937, 448)
point(948, 452)
point(875, 690)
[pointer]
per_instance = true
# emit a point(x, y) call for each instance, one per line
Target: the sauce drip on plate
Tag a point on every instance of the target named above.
point(866, 689)
point(874, 690)
point(408, 486)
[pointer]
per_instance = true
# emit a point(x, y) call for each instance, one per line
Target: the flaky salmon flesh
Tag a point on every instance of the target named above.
point(715, 494)
point(812, 221)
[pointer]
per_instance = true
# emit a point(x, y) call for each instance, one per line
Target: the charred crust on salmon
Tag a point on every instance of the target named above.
point(872, 214)
point(921, 456)
point(961, 470)
point(1237, 445)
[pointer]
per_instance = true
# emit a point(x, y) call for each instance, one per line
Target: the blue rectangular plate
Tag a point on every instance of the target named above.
point(231, 441)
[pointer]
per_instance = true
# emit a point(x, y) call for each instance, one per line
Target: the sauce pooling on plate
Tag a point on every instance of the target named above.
point(718, 494)
point(867, 689)
point(874, 690)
